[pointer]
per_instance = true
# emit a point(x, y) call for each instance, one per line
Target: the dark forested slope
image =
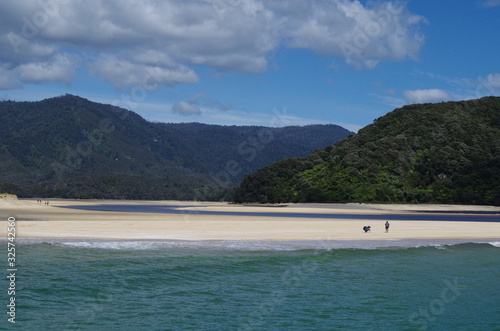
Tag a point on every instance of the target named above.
point(71, 147)
point(435, 153)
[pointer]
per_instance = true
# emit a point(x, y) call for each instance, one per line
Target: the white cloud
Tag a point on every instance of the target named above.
point(60, 68)
point(364, 36)
point(170, 37)
point(424, 96)
point(123, 72)
point(185, 108)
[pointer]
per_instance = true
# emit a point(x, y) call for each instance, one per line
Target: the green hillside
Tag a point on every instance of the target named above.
point(426, 153)
point(71, 147)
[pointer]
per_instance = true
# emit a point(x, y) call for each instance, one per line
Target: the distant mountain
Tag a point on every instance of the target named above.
point(433, 153)
point(73, 148)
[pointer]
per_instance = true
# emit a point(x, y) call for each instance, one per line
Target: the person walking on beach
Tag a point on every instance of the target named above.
point(387, 226)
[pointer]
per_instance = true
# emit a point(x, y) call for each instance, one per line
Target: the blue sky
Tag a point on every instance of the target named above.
point(251, 62)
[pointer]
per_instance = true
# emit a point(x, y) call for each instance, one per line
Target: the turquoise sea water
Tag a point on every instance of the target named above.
point(176, 285)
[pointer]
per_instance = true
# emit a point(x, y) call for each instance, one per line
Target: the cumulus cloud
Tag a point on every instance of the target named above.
point(60, 68)
point(364, 36)
point(126, 42)
point(424, 96)
point(123, 71)
point(185, 108)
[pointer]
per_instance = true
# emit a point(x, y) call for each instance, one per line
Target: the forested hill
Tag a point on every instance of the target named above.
point(433, 153)
point(73, 148)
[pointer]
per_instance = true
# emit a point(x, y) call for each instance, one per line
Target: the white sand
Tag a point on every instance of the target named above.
point(39, 221)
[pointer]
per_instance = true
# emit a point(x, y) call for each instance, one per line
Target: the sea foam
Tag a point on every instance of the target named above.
point(240, 245)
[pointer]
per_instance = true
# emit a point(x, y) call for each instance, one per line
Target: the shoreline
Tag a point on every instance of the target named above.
point(207, 246)
point(51, 222)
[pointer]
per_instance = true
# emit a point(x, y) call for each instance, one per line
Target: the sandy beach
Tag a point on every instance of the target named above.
point(35, 220)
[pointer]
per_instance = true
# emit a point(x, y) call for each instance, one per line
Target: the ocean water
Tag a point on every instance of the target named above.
point(177, 285)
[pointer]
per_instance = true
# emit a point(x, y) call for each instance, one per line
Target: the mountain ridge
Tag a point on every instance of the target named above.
point(68, 146)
